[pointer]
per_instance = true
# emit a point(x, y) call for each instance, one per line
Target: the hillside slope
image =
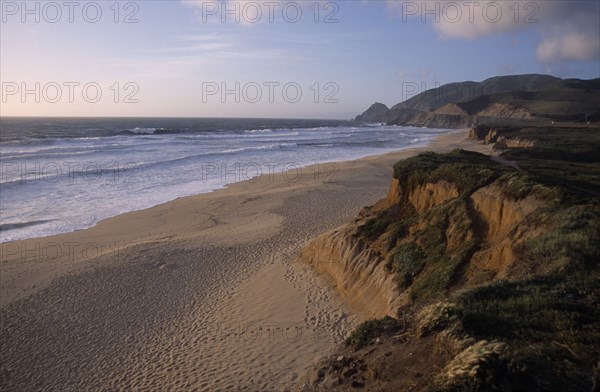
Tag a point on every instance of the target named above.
point(508, 98)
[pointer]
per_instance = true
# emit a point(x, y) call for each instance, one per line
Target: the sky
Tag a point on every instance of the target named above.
point(274, 58)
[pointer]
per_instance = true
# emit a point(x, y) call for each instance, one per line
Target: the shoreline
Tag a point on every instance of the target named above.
point(239, 172)
point(270, 172)
point(202, 291)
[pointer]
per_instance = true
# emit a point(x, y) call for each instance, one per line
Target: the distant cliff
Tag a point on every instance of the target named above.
point(375, 113)
point(504, 98)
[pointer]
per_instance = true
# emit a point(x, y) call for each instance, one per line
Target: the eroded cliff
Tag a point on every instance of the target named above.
point(435, 230)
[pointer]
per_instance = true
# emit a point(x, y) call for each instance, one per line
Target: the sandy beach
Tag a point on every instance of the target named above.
point(200, 293)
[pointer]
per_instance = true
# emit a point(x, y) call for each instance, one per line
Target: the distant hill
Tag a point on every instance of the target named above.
point(502, 98)
point(373, 113)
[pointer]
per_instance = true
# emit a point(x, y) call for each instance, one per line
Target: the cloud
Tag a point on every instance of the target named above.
point(570, 46)
point(468, 19)
point(568, 30)
point(572, 34)
point(476, 19)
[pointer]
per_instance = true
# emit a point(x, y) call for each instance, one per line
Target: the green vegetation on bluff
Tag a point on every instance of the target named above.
point(370, 329)
point(466, 169)
point(426, 259)
point(565, 156)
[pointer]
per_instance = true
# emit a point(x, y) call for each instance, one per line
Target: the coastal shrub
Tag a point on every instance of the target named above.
point(563, 157)
point(369, 330)
point(572, 240)
point(433, 281)
point(577, 178)
point(550, 325)
point(466, 169)
point(439, 252)
point(441, 271)
point(399, 230)
point(394, 220)
point(432, 237)
point(414, 171)
point(406, 261)
point(467, 177)
point(434, 317)
point(518, 185)
point(376, 226)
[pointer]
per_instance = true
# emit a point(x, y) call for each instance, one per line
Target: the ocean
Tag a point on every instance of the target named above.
point(63, 174)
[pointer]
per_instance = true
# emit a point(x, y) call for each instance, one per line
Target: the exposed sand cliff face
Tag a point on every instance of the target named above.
point(500, 213)
point(503, 225)
point(503, 110)
point(451, 109)
point(503, 138)
point(424, 197)
point(357, 271)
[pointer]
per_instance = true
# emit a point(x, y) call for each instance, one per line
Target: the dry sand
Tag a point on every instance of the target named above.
point(201, 293)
